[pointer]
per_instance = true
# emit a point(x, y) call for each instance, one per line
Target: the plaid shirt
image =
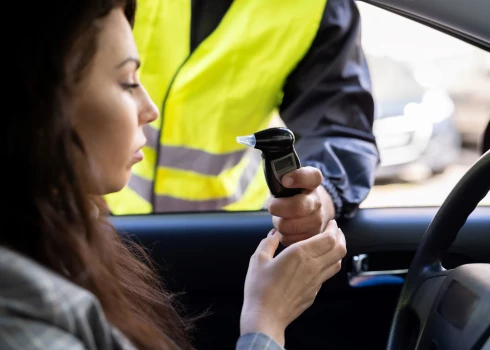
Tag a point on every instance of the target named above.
point(41, 310)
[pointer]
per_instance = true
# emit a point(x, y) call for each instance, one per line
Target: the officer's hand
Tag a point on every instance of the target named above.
point(304, 215)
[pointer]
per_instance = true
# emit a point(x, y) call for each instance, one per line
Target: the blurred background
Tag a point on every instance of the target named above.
point(432, 105)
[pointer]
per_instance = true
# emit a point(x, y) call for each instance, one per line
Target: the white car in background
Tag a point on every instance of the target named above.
point(414, 126)
point(458, 71)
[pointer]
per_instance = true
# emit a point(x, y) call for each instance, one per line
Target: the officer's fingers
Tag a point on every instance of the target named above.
point(307, 178)
point(295, 207)
point(311, 224)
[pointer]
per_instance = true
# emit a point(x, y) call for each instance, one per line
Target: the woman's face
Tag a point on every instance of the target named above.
point(111, 108)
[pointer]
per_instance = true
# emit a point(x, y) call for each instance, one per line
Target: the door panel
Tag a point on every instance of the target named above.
point(205, 255)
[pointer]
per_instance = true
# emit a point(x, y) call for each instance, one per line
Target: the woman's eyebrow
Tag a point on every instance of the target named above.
point(129, 59)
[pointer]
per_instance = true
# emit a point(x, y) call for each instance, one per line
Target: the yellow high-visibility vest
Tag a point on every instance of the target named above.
point(230, 85)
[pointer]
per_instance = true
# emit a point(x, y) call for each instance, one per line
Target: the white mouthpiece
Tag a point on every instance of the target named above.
point(248, 140)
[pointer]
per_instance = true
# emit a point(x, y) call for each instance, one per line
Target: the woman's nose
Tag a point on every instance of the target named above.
point(149, 111)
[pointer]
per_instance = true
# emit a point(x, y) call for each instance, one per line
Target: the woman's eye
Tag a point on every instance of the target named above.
point(130, 87)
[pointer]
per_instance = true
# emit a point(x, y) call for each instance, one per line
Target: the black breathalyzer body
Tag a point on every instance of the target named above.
point(278, 155)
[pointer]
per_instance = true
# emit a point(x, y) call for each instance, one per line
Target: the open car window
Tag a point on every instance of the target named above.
point(432, 106)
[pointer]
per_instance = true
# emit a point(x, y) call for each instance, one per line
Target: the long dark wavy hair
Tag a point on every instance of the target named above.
point(44, 198)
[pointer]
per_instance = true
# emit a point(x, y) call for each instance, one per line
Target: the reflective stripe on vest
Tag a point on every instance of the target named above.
point(229, 86)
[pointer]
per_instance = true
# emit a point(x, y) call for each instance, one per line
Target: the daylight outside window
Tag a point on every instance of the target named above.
point(432, 96)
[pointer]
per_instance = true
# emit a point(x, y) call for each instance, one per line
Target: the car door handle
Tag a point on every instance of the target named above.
point(361, 276)
point(383, 272)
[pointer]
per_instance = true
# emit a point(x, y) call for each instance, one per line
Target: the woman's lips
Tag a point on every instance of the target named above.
point(138, 156)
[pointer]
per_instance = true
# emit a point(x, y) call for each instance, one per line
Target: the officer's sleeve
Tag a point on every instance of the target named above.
point(328, 104)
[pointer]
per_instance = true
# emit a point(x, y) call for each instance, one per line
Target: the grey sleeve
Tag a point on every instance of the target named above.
point(329, 106)
point(24, 334)
point(42, 310)
point(257, 341)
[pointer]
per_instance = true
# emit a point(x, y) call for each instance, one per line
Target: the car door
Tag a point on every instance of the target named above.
point(204, 256)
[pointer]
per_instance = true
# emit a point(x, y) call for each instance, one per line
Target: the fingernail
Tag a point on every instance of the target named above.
point(287, 181)
point(335, 223)
point(271, 232)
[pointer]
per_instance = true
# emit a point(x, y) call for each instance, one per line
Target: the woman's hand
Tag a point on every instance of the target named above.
point(279, 289)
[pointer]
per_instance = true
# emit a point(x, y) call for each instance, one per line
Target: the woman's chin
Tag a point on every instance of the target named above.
point(114, 186)
point(119, 186)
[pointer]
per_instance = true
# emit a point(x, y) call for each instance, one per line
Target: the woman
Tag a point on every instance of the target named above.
point(67, 280)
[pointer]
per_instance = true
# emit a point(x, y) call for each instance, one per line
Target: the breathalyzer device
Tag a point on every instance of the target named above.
point(278, 157)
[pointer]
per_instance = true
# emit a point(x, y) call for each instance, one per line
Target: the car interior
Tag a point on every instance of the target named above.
point(413, 277)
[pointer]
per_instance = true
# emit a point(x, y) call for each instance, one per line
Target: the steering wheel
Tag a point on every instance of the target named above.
point(446, 309)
